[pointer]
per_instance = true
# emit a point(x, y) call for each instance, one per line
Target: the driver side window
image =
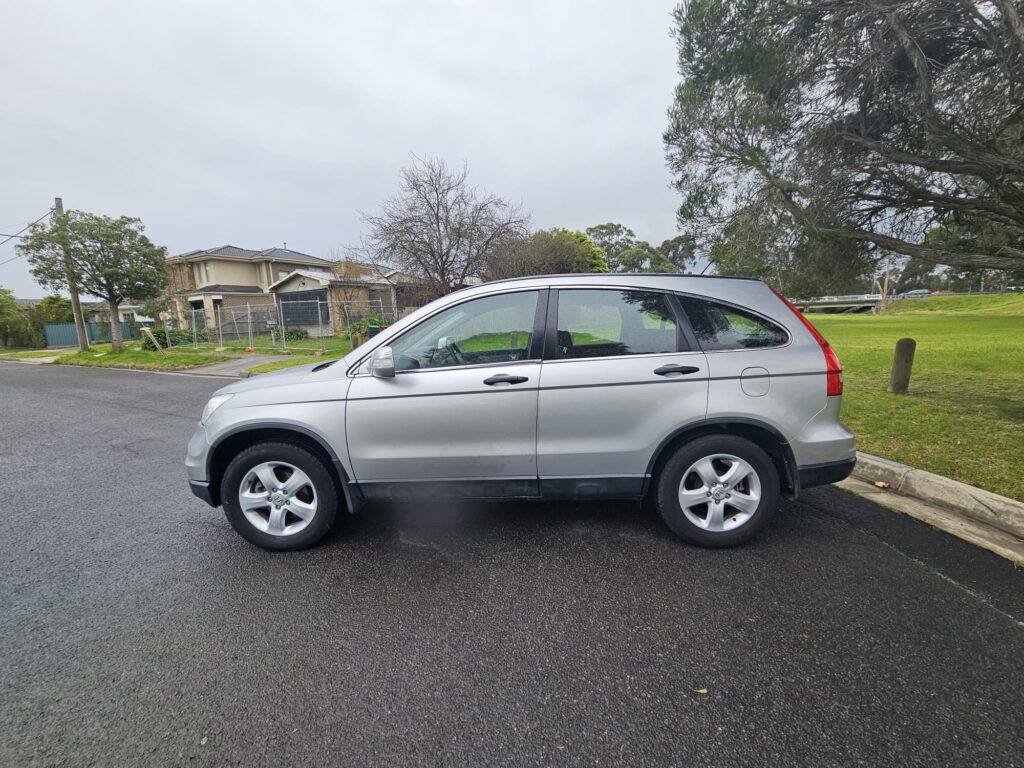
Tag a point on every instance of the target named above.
point(493, 329)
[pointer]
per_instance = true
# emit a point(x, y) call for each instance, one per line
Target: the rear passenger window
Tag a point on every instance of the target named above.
point(719, 326)
point(602, 323)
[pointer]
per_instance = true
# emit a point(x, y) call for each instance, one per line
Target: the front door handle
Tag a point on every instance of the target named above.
point(504, 378)
point(665, 370)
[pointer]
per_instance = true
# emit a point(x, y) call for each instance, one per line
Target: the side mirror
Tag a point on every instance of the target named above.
point(382, 363)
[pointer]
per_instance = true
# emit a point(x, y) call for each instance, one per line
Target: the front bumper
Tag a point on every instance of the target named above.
point(822, 474)
point(195, 465)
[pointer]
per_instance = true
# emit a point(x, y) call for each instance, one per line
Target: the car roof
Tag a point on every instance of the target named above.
point(613, 276)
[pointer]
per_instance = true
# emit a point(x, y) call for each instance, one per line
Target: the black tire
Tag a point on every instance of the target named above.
point(324, 486)
point(671, 476)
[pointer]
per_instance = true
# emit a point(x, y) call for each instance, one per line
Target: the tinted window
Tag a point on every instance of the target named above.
point(494, 329)
point(595, 323)
point(719, 326)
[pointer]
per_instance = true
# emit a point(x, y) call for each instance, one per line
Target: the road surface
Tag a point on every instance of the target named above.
point(136, 628)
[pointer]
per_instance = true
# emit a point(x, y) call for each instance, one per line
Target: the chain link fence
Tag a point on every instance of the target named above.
point(284, 325)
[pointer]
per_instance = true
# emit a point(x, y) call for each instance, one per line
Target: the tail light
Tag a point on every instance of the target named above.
point(833, 368)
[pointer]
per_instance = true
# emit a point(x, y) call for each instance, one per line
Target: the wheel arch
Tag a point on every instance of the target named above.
point(231, 443)
point(765, 436)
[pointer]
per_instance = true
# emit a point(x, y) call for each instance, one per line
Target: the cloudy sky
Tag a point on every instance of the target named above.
point(257, 123)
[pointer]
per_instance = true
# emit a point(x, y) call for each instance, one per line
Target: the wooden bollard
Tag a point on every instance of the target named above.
point(902, 362)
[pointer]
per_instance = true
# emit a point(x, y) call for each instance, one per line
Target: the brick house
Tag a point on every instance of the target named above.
point(229, 276)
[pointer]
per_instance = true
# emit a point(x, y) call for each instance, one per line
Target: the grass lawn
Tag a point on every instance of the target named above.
point(266, 345)
point(964, 414)
point(101, 356)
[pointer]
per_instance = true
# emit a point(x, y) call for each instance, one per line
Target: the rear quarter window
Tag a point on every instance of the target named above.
point(721, 326)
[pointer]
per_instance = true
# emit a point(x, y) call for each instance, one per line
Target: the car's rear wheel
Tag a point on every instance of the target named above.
point(718, 491)
point(279, 496)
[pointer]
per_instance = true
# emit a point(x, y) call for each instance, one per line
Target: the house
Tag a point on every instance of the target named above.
point(99, 312)
point(230, 276)
point(351, 291)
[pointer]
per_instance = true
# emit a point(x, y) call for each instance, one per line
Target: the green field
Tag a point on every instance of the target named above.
point(964, 414)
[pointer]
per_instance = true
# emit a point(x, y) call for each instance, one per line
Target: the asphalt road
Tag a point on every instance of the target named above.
point(136, 628)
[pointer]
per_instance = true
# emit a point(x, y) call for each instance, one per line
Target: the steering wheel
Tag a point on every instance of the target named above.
point(456, 353)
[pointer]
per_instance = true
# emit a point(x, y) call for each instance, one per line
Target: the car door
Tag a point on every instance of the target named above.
point(620, 374)
point(459, 418)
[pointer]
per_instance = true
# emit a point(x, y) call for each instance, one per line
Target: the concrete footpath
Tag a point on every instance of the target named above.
point(238, 366)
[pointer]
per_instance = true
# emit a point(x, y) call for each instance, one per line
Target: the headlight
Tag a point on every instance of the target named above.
point(212, 405)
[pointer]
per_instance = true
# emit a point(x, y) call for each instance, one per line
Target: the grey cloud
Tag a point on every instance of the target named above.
point(256, 123)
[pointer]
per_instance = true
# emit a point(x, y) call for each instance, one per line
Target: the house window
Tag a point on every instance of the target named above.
point(128, 317)
point(282, 275)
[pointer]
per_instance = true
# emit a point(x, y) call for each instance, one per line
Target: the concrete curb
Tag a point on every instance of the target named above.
point(1000, 512)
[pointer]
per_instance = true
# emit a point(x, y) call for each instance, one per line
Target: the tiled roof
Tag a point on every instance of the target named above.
point(234, 252)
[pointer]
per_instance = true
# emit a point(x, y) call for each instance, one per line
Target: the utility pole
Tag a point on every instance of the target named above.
point(76, 304)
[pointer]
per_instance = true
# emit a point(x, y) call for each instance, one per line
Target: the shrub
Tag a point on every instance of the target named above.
point(181, 338)
point(362, 327)
point(295, 334)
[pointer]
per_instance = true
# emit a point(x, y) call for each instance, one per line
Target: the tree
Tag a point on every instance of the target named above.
point(16, 328)
point(624, 252)
point(438, 226)
point(763, 243)
point(867, 121)
point(155, 307)
point(613, 240)
point(53, 309)
point(110, 258)
point(915, 275)
point(547, 252)
point(680, 252)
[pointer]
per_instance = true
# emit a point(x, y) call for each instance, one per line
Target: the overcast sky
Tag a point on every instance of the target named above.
point(261, 123)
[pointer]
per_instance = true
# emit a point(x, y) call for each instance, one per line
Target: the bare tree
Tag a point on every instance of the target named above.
point(438, 226)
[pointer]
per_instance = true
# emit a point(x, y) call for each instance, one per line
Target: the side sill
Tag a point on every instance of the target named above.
point(623, 487)
point(467, 488)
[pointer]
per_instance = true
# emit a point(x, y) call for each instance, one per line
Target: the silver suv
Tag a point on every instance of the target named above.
point(709, 396)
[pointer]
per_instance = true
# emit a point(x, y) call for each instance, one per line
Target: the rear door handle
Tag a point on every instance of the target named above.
point(665, 370)
point(504, 378)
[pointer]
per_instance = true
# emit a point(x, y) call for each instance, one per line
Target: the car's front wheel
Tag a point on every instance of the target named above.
point(279, 496)
point(718, 491)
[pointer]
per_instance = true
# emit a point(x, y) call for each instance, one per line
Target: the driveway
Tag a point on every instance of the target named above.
point(136, 628)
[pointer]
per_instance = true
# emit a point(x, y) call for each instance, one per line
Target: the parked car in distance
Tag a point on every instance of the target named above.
point(710, 396)
point(915, 294)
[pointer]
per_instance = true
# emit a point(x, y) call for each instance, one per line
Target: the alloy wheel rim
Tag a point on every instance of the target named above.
point(277, 498)
point(720, 492)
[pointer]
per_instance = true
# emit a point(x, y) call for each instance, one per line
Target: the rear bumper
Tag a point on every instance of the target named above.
point(201, 488)
point(823, 474)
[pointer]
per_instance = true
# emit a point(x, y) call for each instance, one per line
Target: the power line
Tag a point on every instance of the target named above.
point(18, 234)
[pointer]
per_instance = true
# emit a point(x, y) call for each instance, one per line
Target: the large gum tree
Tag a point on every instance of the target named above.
point(880, 122)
